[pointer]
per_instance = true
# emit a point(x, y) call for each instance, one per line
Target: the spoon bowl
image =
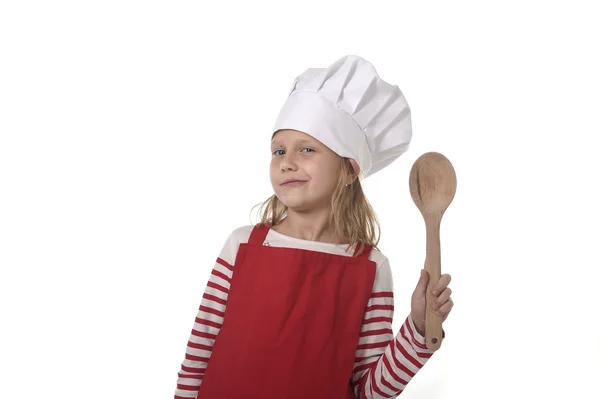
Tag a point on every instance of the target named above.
point(432, 183)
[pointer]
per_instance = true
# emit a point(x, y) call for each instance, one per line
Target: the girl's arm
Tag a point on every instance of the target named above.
point(385, 364)
point(207, 324)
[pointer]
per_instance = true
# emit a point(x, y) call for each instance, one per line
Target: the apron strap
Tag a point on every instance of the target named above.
point(366, 251)
point(259, 233)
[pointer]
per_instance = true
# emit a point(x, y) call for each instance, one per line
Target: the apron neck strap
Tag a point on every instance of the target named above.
point(366, 251)
point(259, 233)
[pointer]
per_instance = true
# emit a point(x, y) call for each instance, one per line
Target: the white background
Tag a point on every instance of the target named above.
point(135, 137)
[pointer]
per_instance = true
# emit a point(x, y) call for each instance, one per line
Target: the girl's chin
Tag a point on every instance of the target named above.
point(294, 202)
point(294, 205)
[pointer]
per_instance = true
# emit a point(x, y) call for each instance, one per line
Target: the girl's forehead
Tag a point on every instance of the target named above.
point(289, 136)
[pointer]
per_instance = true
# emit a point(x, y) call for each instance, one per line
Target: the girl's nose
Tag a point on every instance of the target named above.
point(288, 163)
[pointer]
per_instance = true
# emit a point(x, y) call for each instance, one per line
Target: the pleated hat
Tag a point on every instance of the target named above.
point(352, 111)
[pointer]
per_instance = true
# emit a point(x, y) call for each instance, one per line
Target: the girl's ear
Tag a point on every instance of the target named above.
point(355, 168)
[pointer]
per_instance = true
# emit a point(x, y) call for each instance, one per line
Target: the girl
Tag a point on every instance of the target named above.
point(301, 305)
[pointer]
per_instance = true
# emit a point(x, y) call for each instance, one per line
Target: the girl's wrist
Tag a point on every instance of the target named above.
point(420, 328)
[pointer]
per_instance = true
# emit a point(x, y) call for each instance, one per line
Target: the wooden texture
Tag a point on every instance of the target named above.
point(432, 185)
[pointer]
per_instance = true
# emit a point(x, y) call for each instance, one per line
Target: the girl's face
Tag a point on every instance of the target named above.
point(304, 172)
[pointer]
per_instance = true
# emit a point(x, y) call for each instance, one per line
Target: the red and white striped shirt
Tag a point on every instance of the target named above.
point(384, 364)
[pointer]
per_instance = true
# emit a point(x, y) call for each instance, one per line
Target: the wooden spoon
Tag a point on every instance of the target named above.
point(432, 187)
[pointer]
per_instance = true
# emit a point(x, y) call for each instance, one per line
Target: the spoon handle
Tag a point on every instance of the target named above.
point(433, 322)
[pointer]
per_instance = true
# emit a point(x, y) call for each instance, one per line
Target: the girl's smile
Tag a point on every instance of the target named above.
point(293, 183)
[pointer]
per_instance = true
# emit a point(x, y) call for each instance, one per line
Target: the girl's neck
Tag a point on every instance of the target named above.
point(308, 227)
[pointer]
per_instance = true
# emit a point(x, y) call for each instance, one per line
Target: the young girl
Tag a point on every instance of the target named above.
point(300, 305)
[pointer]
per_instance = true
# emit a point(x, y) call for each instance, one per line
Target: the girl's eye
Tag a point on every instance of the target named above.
point(281, 152)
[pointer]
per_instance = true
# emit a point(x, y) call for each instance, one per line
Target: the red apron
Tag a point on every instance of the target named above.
point(291, 325)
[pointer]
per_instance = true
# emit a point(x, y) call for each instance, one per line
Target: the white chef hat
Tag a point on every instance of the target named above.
point(351, 110)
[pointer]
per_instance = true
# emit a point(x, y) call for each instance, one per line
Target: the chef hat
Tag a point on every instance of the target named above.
point(351, 110)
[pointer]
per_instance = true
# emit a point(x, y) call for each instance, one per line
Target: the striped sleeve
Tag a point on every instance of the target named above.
point(384, 363)
point(207, 324)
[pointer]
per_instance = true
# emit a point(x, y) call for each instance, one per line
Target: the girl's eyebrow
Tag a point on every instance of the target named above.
point(299, 142)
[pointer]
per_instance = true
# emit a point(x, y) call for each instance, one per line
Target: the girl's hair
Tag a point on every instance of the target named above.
point(352, 218)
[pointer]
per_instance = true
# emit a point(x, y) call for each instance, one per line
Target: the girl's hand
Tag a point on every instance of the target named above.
point(443, 303)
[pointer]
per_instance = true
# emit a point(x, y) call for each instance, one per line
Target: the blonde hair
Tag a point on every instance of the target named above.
point(352, 219)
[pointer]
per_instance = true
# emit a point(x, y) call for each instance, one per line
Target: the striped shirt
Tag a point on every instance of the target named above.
point(384, 364)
